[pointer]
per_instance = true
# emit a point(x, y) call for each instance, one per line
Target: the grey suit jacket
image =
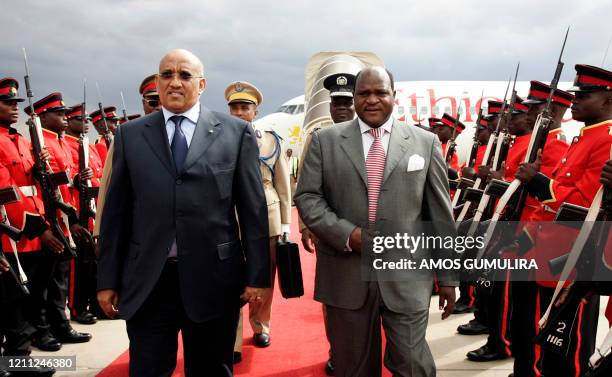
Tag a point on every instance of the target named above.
point(332, 200)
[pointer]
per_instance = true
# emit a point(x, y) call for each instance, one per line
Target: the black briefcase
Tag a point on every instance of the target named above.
point(289, 268)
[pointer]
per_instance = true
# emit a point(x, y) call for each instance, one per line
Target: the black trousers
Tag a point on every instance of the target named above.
point(82, 287)
point(153, 332)
point(57, 293)
point(466, 293)
point(526, 313)
point(15, 331)
point(498, 315)
point(582, 339)
point(38, 266)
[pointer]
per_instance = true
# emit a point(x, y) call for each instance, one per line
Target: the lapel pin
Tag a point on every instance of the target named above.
point(210, 131)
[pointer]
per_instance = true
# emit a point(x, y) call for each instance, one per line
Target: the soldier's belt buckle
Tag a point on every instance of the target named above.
point(28, 190)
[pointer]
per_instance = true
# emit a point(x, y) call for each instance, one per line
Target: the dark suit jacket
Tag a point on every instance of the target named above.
point(149, 204)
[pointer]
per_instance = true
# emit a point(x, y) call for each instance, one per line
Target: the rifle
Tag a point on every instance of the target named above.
point(501, 153)
point(125, 116)
point(553, 334)
point(9, 195)
point(464, 182)
point(512, 202)
point(87, 206)
point(487, 161)
point(451, 144)
point(106, 133)
point(48, 180)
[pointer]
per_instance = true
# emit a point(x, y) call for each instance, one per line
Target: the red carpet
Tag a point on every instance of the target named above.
point(299, 347)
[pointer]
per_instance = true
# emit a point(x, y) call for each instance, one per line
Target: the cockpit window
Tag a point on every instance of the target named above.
point(291, 109)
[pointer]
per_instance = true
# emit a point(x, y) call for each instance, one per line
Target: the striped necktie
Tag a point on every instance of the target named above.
point(375, 168)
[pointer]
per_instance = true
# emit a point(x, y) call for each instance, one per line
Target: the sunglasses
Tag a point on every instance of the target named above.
point(152, 102)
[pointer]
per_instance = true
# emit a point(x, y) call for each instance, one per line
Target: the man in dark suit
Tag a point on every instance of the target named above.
point(373, 174)
point(172, 256)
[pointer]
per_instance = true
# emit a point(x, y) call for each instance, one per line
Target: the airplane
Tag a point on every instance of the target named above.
point(415, 102)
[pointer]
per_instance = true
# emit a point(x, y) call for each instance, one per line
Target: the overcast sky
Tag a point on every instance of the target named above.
point(119, 42)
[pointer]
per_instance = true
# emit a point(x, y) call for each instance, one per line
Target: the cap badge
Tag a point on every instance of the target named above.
point(239, 87)
point(341, 80)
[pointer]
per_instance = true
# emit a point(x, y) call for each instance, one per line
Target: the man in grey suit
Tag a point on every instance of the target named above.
point(173, 255)
point(374, 176)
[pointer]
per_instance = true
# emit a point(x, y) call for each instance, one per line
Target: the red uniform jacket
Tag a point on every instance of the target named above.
point(16, 163)
point(454, 160)
point(102, 149)
point(575, 180)
point(94, 163)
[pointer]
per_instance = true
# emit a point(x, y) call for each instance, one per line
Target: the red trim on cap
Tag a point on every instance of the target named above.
point(448, 122)
point(96, 118)
point(556, 98)
point(590, 80)
point(483, 122)
point(48, 106)
point(521, 107)
point(75, 113)
point(149, 87)
point(6, 90)
point(494, 109)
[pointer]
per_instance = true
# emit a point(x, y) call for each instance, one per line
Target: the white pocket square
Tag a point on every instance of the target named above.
point(415, 162)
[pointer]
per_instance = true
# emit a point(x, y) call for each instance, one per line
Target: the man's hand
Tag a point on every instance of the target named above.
point(468, 173)
point(4, 265)
point(355, 240)
point(86, 174)
point(44, 155)
point(497, 174)
point(483, 172)
point(308, 240)
point(109, 302)
point(447, 297)
point(80, 233)
point(606, 175)
point(527, 171)
point(52, 242)
point(254, 295)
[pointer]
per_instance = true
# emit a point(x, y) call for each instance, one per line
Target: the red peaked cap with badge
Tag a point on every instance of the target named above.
point(9, 90)
point(434, 121)
point(450, 121)
point(519, 107)
point(74, 111)
point(52, 102)
point(110, 112)
point(130, 117)
point(590, 78)
point(539, 92)
point(147, 87)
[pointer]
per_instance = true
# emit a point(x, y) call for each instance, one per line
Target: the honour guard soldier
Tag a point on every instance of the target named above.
point(341, 109)
point(112, 120)
point(243, 99)
point(82, 298)
point(150, 97)
point(575, 180)
point(444, 130)
point(20, 315)
point(52, 113)
point(483, 133)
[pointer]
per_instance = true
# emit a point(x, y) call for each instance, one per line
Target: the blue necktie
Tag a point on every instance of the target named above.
point(179, 143)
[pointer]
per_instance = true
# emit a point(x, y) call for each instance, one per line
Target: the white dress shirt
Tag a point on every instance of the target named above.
point(188, 126)
point(189, 123)
point(367, 139)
